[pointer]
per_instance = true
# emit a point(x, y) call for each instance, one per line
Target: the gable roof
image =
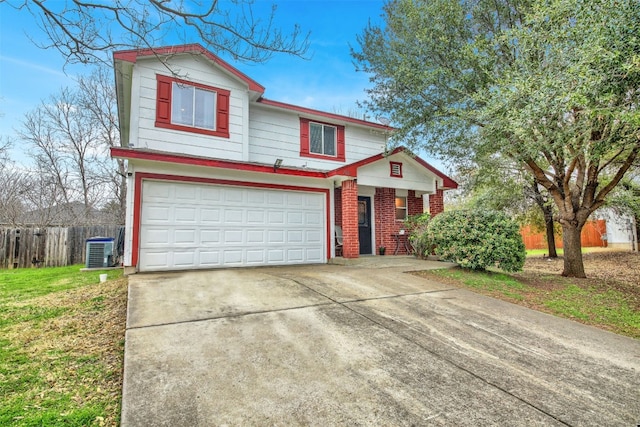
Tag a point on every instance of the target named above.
point(352, 169)
point(133, 55)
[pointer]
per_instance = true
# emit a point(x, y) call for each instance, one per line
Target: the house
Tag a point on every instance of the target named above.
point(220, 176)
point(621, 232)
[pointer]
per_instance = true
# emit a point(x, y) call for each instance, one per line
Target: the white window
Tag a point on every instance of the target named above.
point(322, 139)
point(401, 208)
point(193, 106)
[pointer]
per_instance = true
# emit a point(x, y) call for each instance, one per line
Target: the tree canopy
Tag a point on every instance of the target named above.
point(552, 85)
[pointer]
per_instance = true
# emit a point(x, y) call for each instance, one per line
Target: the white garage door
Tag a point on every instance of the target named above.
point(186, 226)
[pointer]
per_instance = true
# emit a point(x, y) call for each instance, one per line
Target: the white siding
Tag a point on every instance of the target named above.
point(276, 134)
point(192, 68)
point(257, 133)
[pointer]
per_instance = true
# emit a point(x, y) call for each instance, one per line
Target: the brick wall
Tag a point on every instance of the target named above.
point(385, 213)
point(436, 203)
point(349, 199)
point(414, 204)
point(386, 223)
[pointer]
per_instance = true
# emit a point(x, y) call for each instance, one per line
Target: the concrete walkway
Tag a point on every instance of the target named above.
point(361, 344)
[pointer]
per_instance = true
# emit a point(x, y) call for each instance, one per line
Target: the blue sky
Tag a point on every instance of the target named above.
point(326, 81)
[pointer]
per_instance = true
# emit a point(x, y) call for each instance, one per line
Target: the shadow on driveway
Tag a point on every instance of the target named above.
point(362, 344)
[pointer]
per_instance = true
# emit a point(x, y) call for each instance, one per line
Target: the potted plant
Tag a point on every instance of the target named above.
point(382, 250)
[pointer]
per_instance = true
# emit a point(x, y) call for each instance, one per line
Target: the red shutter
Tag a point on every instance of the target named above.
point(222, 118)
point(163, 100)
point(304, 137)
point(341, 151)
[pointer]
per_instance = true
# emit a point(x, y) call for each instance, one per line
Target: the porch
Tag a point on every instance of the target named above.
point(374, 217)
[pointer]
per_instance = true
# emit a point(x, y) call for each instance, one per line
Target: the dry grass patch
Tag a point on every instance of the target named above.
point(61, 354)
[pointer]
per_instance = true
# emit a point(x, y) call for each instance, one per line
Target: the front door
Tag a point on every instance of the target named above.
point(364, 225)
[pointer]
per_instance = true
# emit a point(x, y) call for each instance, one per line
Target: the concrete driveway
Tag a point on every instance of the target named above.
point(362, 344)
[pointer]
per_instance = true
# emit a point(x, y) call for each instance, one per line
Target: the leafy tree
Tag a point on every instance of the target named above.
point(551, 85)
point(477, 239)
point(87, 31)
point(498, 184)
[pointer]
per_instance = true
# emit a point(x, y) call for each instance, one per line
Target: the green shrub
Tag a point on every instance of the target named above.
point(417, 226)
point(477, 239)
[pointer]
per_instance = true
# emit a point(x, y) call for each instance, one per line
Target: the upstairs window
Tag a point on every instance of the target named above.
point(192, 107)
point(322, 140)
point(396, 169)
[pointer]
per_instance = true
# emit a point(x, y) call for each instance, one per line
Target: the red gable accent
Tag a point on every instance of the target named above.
point(352, 169)
point(133, 55)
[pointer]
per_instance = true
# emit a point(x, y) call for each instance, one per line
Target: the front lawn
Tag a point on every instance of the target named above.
point(61, 346)
point(608, 299)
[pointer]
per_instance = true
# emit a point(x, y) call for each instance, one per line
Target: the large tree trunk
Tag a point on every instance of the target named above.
point(573, 265)
point(547, 213)
point(551, 237)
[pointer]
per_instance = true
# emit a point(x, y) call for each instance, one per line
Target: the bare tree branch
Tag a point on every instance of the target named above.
point(87, 31)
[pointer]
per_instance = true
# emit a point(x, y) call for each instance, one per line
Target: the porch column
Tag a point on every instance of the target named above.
point(351, 244)
point(436, 203)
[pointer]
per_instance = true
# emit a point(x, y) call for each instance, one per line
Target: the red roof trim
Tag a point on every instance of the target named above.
point(133, 55)
point(331, 116)
point(350, 170)
point(130, 153)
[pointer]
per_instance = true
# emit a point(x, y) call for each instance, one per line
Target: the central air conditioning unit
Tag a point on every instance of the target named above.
point(99, 252)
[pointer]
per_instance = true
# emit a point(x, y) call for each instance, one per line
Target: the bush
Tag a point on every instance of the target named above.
point(417, 226)
point(477, 239)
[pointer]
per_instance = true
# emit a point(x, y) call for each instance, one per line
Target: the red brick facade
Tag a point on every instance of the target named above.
point(384, 213)
point(385, 217)
point(436, 203)
point(349, 198)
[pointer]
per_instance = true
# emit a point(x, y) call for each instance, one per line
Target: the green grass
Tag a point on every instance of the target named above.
point(591, 305)
point(560, 251)
point(610, 309)
point(25, 283)
point(487, 281)
point(60, 363)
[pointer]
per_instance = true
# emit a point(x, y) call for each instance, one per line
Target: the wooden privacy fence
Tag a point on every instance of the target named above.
point(50, 247)
point(594, 234)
